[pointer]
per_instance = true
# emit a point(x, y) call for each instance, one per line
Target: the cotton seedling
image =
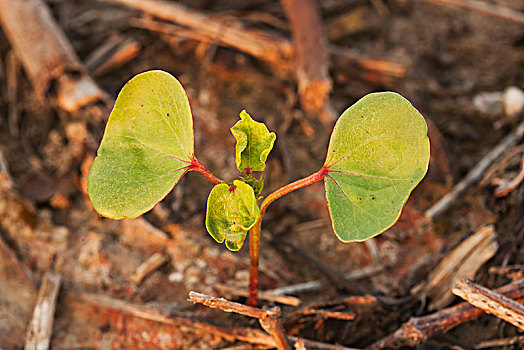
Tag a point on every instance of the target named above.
point(377, 154)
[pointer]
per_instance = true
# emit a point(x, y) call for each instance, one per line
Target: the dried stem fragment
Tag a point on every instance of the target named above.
point(267, 47)
point(168, 316)
point(269, 319)
point(41, 326)
point(418, 329)
point(462, 262)
point(311, 57)
point(504, 188)
point(491, 302)
point(47, 55)
point(149, 265)
point(259, 44)
point(486, 9)
point(474, 175)
point(282, 299)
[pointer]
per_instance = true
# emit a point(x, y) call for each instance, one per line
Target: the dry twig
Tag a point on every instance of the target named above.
point(149, 265)
point(47, 55)
point(266, 47)
point(313, 286)
point(475, 174)
point(41, 326)
point(311, 57)
point(320, 309)
point(487, 9)
point(166, 315)
point(347, 316)
point(277, 298)
point(311, 344)
point(519, 339)
point(338, 279)
point(462, 262)
point(418, 330)
point(506, 270)
point(12, 68)
point(269, 319)
point(505, 187)
point(169, 316)
point(113, 53)
point(491, 302)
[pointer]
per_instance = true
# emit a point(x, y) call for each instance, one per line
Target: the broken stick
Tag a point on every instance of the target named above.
point(419, 329)
point(265, 46)
point(169, 316)
point(475, 174)
point(277, 298)
point(166, 315)
point(47, 56)
point(485, 8)
point(269, 319)
point(149, 265)
point(505, 187)
point(41, 325)
point(491, 302)
point(311, 57)
point(462, 262)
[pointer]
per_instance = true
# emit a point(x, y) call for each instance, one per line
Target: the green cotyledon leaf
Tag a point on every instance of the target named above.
point(147, 147)
point(232, 211)
point(254, 142)
point(378, 152)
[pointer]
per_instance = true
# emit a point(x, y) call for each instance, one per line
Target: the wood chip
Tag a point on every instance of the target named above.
point(41, 326)
point(149, 265)
point(462, 262)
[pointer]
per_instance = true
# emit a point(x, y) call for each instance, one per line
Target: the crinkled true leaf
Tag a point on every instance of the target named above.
point(147, 145)
point(254, 142)
point(257, 184)
point(232, 211)
point(378, 152)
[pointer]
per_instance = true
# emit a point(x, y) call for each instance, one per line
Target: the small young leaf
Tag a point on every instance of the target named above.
point(257, 184)
point(147, 146)
point(378, 152)
point(232, 211)
point(254, 142)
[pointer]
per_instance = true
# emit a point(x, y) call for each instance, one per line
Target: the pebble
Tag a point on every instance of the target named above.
point(510, 102)
point(513, 101)
point(489, 103)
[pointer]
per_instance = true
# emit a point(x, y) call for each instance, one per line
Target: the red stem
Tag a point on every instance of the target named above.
point(200, 168)
point(254, 237)
point(319, 175)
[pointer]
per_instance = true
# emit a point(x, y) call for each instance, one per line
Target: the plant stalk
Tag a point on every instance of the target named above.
point(254, 237)
point(200, 168)
point(254, 244)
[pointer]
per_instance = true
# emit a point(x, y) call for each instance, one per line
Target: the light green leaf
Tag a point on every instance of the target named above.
point(257, 184)
point(232, 211)
point(254, 142)
point(147, 146)
point(378, 152)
